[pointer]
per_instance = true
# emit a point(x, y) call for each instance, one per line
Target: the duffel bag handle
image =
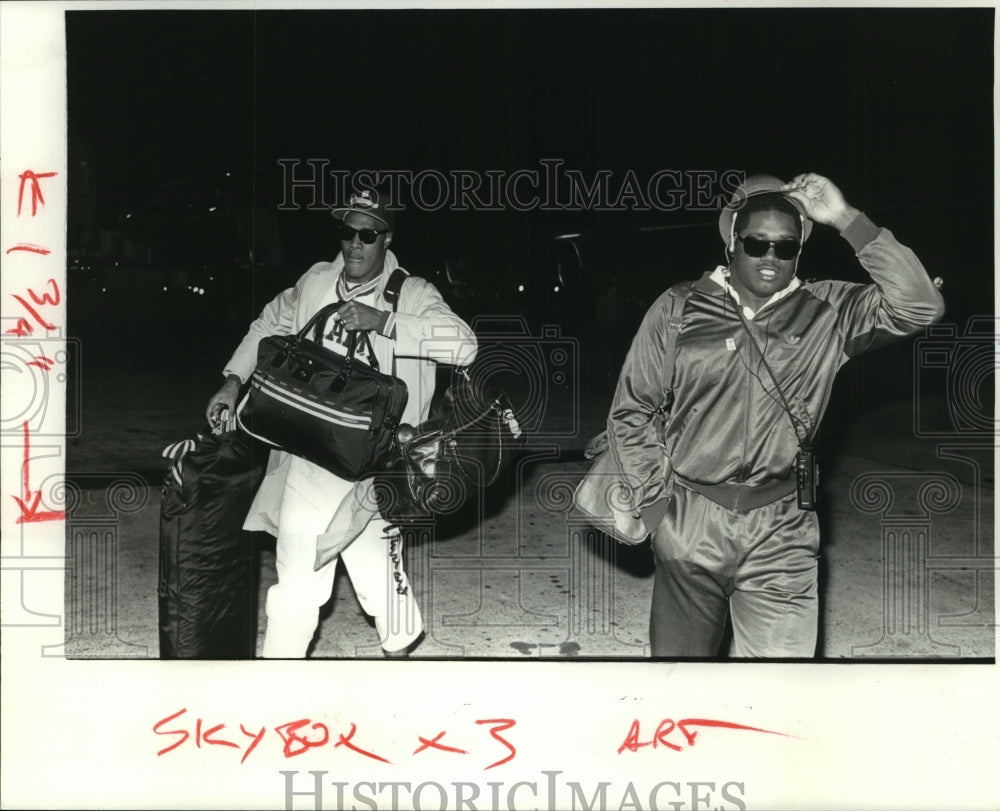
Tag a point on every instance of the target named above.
point(318, 322)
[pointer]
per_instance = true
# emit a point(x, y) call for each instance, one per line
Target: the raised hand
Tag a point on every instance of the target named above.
point(822, 200)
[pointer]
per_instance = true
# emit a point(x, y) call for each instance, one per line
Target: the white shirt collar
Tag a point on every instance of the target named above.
point(720, 277)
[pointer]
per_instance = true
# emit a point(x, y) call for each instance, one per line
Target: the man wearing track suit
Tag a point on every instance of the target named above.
point(727, 531)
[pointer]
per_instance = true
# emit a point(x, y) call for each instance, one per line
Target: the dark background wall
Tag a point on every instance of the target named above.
point(174, 113)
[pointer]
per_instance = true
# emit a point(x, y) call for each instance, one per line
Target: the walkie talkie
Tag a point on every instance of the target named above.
point(806, 478)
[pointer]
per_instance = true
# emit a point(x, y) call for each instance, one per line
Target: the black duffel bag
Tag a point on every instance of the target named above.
point(207, 578)
point(337, 411)
point(470, 438)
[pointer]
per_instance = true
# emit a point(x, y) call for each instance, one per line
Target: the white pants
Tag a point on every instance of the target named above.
point(373, 560)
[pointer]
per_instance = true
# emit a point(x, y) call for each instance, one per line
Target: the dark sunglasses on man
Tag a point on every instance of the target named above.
point(783, 249)
point(366, 235)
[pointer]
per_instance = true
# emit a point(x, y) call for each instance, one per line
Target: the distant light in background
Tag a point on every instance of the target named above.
point(555, 289)
point(520, 288)
point(211, 208)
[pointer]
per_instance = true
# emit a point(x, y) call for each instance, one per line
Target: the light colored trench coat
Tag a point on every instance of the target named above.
point(427, 332)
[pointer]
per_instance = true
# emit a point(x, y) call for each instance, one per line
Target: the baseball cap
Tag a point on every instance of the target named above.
point(751, 187)
point(373, 202)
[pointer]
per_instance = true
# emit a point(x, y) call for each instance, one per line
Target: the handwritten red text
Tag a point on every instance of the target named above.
point(677, 735)
point(304, 735)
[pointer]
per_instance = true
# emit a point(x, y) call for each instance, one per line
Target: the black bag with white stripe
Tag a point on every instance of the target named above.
point(337, 411)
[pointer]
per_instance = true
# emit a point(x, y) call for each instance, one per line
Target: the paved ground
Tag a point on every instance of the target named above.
point(908, 566)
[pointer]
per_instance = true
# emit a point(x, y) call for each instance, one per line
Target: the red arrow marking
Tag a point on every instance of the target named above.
point(29, 504)
point(36, 189)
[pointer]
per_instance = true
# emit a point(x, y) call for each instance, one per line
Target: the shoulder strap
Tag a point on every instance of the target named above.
point(675, 313)
point(391, 294)
point(804, 443)
point(678, 296)
point(394, 286)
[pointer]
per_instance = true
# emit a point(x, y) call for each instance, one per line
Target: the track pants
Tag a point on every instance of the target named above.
point(373, 561)
point(760, 566)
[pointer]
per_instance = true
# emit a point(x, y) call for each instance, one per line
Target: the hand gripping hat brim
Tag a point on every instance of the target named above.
point(373, 202)
point(751, 187)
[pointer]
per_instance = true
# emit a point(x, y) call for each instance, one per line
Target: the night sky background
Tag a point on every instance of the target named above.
point(894, 105)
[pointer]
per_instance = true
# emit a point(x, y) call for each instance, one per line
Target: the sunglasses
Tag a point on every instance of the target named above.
point(783, 249)
point(366, 235)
